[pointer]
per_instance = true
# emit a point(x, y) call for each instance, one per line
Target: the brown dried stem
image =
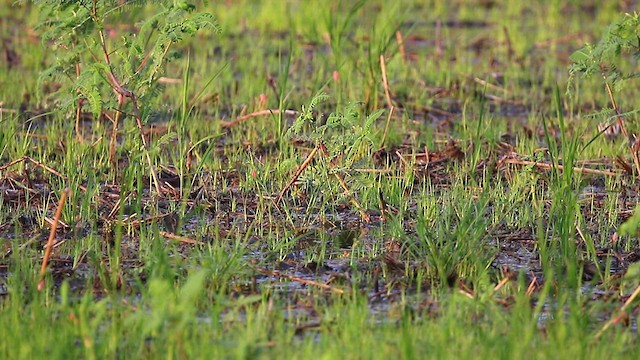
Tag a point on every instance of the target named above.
point(41, 165)
point(295, 176)
point(401, 49)
point(113, 158)
point(385, 82)
point(79, 108)
point(121, 91)
point(300, 280)
point(178, 238)
point(52, 236)
point(621, 313)
point(386, 126)
point(634, 144)
point(239, 119)
point(547, 166)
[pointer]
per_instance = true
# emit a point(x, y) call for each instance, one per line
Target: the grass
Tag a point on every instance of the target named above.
point(477, 245)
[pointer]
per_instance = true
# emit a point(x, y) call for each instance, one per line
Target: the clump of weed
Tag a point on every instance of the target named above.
point(343, 139)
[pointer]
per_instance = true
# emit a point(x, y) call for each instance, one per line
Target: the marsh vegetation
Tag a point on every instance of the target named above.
point(372, 179)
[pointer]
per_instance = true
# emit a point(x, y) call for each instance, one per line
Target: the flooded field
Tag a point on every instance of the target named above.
point(287, 178)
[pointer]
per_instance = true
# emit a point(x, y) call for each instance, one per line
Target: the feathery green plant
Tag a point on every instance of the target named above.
point(604, 58)
point(342, 133)
point(615, 57)
point(91, 63)
point(611, 58)
point(99, 70)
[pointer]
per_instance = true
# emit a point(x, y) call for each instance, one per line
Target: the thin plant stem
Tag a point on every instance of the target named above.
point(52, 236)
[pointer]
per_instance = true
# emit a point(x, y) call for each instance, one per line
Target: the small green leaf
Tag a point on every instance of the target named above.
point(185, 6)
point(580, 56)
point(630, 227)
point(633, 272)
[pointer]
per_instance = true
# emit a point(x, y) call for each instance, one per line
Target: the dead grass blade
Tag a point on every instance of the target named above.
point(624, 165)
point(297, 174)
point(401, 49)
point(505, 280)
point(621, 313)
point(52, 236)
point(547, 166)
point(232, 123)
point(386, 127)
point(40, 165)
point(385, 82)
point(633, 141)
point(178, 238)
point(533, 285)
point(300, 280)
point(353, 200)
